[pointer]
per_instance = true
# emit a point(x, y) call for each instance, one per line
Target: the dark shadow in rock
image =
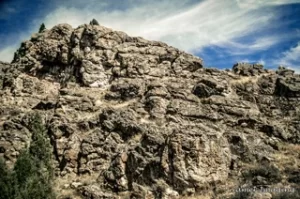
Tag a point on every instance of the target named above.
point(45, 106)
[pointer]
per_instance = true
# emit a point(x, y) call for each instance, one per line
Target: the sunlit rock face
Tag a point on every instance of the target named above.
point(93, 54)
point(132, 118)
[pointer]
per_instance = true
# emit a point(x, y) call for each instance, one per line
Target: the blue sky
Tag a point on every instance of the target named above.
point(221, 32)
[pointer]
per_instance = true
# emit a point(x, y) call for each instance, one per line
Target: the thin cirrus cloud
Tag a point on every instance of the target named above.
point(189, 28)
point(259, 44)
point(186, 24)
point(291, 58)
point(252, 4)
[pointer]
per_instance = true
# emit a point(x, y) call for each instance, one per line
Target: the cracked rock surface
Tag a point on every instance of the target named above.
point(132, 118)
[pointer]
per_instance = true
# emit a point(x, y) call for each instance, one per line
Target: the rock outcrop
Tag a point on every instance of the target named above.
point(132, 118)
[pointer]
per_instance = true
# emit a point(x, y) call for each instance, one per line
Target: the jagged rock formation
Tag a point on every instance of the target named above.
point(131, 118)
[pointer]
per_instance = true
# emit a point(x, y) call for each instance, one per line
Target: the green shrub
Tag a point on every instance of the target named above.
point(36, 186)
point(269, 173)
point(40, 147)
point(33, 173)
point(24, 167)
point(6, 182)
point(292, 195)
point(241, 195)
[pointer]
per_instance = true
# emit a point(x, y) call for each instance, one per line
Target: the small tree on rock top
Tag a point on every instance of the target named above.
point(42, 28)
point(94, 22)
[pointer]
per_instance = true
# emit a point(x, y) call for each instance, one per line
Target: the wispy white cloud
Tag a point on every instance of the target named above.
point(188, 28)
point(7, 54)
point(259, 44)
point(252, 4)
point(259, 61)
point(293, 54)
point(6, 10)
point(291, 58)
point(184, 24)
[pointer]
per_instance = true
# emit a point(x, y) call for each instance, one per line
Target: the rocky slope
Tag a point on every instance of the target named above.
point(131, 118)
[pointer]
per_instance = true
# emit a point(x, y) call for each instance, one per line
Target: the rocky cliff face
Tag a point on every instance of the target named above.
point(131, 118)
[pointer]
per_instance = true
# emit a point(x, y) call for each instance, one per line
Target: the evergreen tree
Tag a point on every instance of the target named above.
point(42, 28)
point(94, 22)
point(24, 168)
point(33, 173)
point(6, 182)
point(40, 147)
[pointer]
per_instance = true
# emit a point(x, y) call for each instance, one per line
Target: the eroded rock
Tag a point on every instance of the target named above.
point(134, 118)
